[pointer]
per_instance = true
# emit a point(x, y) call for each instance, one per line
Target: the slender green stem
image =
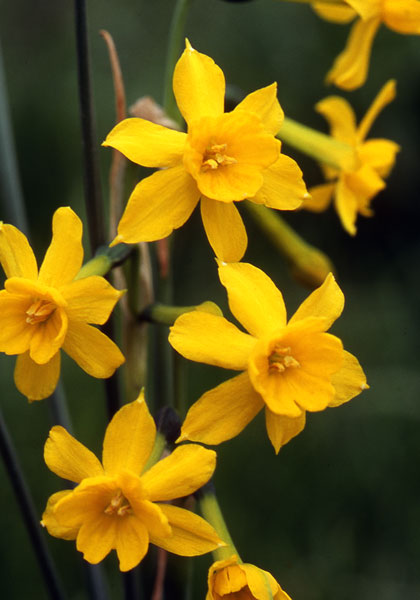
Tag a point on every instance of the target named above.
point(319, 146)
point(28, 514)
point(13, 210)
point(93, 200)
point(176, 38)
point(308, 264)
point(167, 315)
point(210, 509)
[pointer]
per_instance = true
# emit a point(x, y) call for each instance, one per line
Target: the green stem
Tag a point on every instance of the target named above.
point(309, 265)
point(13, 210)
point(167, 315)
point(93, 200)
point(319, 146)
point(28, 514)
point(176, 38)
point(210, 509)
point(105, 259)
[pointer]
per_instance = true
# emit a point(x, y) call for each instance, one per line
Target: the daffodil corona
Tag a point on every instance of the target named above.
point(350, 68)
point(121, 505)
point(231, 579)
point(222, 159)
point(289, 367)
point(359, 180)
point(43, 312)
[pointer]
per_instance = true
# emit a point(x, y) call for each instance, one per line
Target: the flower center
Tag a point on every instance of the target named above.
point(119, 505)
point(39, 311)
point(215, 157)
point(280, 359)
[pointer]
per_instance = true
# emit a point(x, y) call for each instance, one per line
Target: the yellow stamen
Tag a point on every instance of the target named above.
point(39, 311)
point(280, 359)
point(215, 157)
point(119, 505)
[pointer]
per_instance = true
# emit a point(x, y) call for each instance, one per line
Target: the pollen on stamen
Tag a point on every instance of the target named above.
point(39, 311)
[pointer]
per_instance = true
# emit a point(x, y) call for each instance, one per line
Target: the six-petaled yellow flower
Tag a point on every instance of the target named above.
point(360, 179)
point(350, 68)
point(230, 579)
point(43, 312)
point(289, 367)
point(120, 505)
point(222, 159)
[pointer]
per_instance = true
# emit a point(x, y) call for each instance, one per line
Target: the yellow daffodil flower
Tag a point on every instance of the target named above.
point(357, 183)
point(224, 158)
point(120, 505)
point(43, 312)
point(231, 580)
point(289, 367)
point(350, 68)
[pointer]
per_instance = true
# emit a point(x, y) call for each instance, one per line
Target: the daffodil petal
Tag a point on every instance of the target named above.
point(35, 381)
point(384, 97)
point(349, 381)
point(224, 229)
point(88, 500)
point(97, 537)
point(264, 103)
point(64, 256)
point(132, 543)
point(346, 206)
point(199, 85)
point(15, 332)
point(335, 14)
point(158, 205)
point(49, 520)
point(93, 351)
point(147, 143)
point(223, 412)
point(181, 473)
point(262, 584)
point(379, 154)
point(211, 339)
point(340, 116)
point(68, 458)
point(90, 300)
point(327, 301)
point(48, 337)
point(366, 10)
point(253, 298)
point(282, 429)
point(191, 535)
point(129, 438)
point(320, 197)
point(350, 68)
point(402, 16)
point(283, 187)
point(16, 255)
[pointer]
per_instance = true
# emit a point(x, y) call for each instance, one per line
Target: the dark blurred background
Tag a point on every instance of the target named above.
point(336, 515)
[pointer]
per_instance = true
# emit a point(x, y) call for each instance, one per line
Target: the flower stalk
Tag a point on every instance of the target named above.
point(308, 264)
point(319, 146)
point(28, 514)
point(211, 511)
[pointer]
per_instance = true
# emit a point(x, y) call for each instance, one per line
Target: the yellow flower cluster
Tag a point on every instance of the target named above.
point(287, 367)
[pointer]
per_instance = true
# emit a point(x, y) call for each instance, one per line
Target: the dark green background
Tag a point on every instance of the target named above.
point(336, 515)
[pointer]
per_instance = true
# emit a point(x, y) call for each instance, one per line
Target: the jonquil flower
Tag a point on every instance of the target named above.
point(232, 580)
point(350, 68)
point(288, 367)
point(357, 183)
point(43, 312)
point(222, 159)
point(121, 505)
